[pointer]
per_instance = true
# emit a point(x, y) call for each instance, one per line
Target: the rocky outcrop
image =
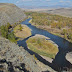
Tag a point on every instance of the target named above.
point(15, 59)
point(69, 57)
point(10, 13)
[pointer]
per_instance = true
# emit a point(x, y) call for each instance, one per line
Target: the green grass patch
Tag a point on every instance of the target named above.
point(42, 47)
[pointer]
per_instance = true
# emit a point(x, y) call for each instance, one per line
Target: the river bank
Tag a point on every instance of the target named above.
point(63, 45)
point(18, 54)
point(26, 32)
point(55, 24)
point(54, 31)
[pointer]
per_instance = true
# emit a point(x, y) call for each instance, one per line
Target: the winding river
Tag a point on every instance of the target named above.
point(59, 63)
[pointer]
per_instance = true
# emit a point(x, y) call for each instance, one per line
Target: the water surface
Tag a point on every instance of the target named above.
point(64, 47)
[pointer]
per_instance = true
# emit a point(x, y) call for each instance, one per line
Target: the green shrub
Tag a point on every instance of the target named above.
point(11, 37)
point(39, 42)
point(5, 32)
point(70, 36)
point(64, 31)
point(8, 25)
point(34, 57)
point(20, 27)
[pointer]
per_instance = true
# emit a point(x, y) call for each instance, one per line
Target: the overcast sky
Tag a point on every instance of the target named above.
point(67, 3)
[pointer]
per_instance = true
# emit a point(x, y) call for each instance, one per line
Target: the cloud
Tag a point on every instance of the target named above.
point(25, 0)
point(43, 2)
point(48, 0)
point(61, 1)
point(67, 1)
point(33, 1)
point(20, 1)
point(17, 2)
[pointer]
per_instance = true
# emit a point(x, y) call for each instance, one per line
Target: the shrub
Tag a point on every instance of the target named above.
point(11, 37)
point(64, 31)
point(20, 27)
point(70, 36)
point(34, 57)
point(8, 25)
point(39, 42)
point(4, 31)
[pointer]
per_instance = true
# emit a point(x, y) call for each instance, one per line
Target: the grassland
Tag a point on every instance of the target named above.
point(42, 46)
point(25, 32)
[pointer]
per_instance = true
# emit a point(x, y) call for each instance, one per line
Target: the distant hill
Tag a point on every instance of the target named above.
point(10, 13)
point(61, 11)
point(67, 12)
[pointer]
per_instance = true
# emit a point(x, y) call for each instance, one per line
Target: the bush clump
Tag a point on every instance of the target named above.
point(4, 29)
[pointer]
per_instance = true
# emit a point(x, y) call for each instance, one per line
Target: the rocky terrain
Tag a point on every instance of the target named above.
point(15, 59)
point(10, 13)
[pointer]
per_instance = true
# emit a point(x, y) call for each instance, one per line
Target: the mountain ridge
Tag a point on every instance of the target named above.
point(10, 13)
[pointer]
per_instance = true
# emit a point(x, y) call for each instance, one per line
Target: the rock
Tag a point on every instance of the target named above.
point(10, 13)
point(44, 68)
point(69, 57)
point(47, 58)
point(15, 58)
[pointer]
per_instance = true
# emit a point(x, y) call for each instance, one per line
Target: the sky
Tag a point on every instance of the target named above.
point(40, 3)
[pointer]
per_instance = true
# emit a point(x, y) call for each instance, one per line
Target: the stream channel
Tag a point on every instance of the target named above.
point(59, 63)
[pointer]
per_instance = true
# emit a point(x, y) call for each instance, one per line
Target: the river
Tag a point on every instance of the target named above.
point(59, 63)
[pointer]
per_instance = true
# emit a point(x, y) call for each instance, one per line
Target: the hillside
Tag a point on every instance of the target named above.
point(67, 12)
point(10, 13)
point(15, 59)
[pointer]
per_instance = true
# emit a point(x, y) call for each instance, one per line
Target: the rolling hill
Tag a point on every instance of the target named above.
point(67, 12)
point(10, 13)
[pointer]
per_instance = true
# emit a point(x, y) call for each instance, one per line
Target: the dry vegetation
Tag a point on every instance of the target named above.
point(58, 25)
point(42, 46)
point(67, 12)
point(25, 32)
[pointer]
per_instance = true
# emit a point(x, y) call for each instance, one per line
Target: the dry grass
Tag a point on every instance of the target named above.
point(42, 46)
point(22, 34)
